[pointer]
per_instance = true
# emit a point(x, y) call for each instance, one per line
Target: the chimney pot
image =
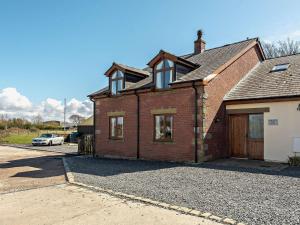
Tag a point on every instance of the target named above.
point(199, 44)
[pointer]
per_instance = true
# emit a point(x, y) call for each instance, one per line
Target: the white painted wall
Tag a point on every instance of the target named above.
point(278, 140)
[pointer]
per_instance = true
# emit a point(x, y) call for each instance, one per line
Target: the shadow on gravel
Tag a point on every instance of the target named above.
point(109, 167)
point(41, 167)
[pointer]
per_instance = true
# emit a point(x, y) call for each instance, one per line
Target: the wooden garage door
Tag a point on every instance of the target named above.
point(238, 125)
point(246, 136)
point(255, 140)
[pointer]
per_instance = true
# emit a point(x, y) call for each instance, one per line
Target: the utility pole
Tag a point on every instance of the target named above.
point(65, 109)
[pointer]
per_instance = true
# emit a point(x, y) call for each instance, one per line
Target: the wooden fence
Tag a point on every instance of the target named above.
point(86, 144)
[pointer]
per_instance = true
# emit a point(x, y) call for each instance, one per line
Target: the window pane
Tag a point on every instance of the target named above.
point(159, 65)
point(256, 126)
point(159, 81)
point(114, 75)
point(168, 78)
point(163, 128)
point(168, 63)
point(120, 85)
point(113, 127)
point(169, 127)
point(280, 67)
point(120, 74)
point(159, 134)
point(114, 87)
point(120, 127)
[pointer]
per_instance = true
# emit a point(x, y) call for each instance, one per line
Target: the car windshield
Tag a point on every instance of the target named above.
point(46, 136)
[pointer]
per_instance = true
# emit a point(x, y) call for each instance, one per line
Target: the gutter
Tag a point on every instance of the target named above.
point(196, 122)
point(138, 126)
point(94, 132)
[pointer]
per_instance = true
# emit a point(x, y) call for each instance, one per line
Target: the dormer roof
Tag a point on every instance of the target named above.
point(174, 58)
point(125, 68)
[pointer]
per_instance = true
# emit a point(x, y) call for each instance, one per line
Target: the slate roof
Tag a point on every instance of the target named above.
point(209, 61)
point(261, 83)
point(147, 82)
point(101, 91)
point(133, 69)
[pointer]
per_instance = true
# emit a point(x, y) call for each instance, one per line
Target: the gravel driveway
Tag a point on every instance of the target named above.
point(252, 196)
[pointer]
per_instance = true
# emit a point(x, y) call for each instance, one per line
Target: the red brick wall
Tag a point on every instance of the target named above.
point(182, 149)
point(215, 140)
point(123, 148)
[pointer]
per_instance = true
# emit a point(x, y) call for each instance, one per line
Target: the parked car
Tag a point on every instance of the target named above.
point(73, 137)
point(48, 139)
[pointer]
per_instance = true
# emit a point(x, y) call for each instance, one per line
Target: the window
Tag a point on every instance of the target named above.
point(116, 127)
point(280, 67)
point(117, 82)
point(163, 128)
point(164, 74)
point(256, 126)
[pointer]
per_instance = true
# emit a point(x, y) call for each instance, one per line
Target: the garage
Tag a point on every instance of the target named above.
point(263, 112)
point(246, 136)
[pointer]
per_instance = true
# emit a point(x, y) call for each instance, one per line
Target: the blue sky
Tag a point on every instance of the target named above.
point(61, 48)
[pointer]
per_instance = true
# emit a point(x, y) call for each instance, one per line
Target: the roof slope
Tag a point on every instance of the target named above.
point(142, 83)
point(133, 69)
point(101, 91)
point(211, 59)
point(261, 83)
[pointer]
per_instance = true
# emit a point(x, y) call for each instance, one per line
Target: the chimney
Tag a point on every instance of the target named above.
point(199, 44)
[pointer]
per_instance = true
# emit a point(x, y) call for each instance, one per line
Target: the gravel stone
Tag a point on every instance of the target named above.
point(251, 196)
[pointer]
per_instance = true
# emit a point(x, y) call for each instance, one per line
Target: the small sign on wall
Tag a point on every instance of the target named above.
point(296, 144)
point(273, 122)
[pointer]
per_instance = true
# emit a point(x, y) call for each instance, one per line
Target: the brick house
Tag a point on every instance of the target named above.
point(174, 109)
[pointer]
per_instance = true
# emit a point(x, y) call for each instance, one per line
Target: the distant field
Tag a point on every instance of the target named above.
point(25, 137)
point(18, 138)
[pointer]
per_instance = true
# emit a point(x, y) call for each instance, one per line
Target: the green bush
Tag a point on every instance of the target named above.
point(294, 161)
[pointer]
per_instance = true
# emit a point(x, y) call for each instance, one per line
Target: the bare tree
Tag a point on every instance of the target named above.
point(37, 119)
point(76, 119)
point(281, 48)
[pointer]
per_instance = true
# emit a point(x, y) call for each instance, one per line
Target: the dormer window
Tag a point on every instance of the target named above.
point(117, 83)
point(164, 72)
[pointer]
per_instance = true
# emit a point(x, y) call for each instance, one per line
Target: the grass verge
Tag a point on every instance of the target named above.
point(19, 138)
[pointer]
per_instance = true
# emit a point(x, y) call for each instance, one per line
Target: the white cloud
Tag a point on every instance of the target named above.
point(14, 104)
point(11, 99)
point(81, 108)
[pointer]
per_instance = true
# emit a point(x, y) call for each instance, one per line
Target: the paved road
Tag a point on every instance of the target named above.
point(21, 169)
point(33, 191)
point(69, 149)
